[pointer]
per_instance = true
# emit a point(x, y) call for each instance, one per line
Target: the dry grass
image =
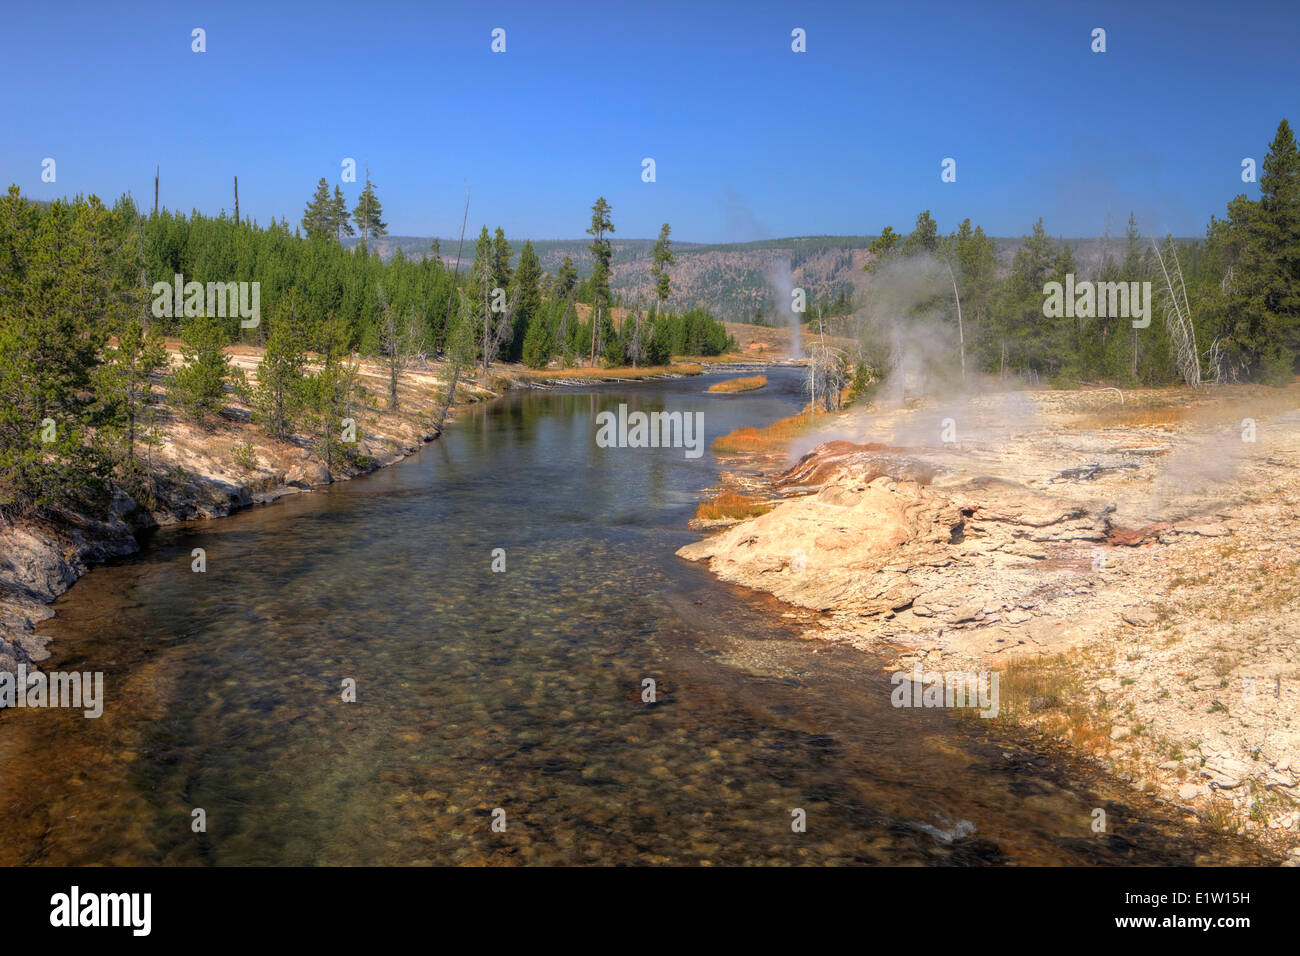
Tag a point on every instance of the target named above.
point(601, 374)
point(726, 358)
point(1131, 416)
point(770, 439)
point(1047, 692)
point(739, 384)
point(728, 504)
point(1167, 407)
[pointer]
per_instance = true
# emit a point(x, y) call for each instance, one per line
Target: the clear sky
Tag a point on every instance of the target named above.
point(750, 139)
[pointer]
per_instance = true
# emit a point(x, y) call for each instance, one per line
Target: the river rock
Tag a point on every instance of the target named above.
point(306, 474)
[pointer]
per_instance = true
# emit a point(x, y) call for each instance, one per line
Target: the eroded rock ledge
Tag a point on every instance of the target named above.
point(914, 540)
point(1163, 596)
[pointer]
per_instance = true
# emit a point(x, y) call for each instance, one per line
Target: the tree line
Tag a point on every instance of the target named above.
point(1227, 307)
point(82, 346)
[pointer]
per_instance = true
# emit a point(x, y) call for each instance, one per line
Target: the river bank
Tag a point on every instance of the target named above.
point(524, 689)
point(214, 470)
point(1128, 569)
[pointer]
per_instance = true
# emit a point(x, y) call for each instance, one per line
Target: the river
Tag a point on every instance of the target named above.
point(518, 691)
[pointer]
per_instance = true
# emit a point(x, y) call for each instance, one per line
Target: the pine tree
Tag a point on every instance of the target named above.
point(501, 253)
point(327, 397)
point(341, 227)
point(480, 271)
point(480, 283)
point(495, 321)
point(882, 248)
point(1279, 200)
point(198, 386)
point(317, 218)
point(924, 238)
point(277, 395)
point(536, 352)
point(528, 293)
point(1021, 326)
point(566, 278)
point(60, 291)
point(125, 386)
point(976, 269)
point(602, 252)
point(1262, 242)
point(661, 259)
point(367, 215)
point(395, 334)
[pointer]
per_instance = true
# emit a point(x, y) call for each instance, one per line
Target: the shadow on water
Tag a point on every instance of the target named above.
point(519, 690)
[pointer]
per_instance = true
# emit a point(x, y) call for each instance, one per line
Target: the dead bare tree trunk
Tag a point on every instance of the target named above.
point(495, 334)
point(394, 347)
point(636, 336)
point(562, 331)
point(961, 333)
point(1178, 318)
point(451, 397)
point(452, 291)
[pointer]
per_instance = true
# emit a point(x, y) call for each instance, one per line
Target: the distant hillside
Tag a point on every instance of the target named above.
point(736, 281)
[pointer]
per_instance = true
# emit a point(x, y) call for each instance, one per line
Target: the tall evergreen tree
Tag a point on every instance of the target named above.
point(318, 217)
point(60, 293)
point(527, 293)
point(661, 259)
point(495, 311)
point(277, 395)
point(924, 238)
point(882, 248)
point(1279, 201)
point(368, 213)
point(199, 385)
point(602, 253)
point(125, 385)
point(501, 253)
point(566, 278)
point(1021, 326)
point(1259, 306)
point(339, 217)
point(482, 276)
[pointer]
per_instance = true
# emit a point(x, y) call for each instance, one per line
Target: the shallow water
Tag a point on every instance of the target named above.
point(519, 690)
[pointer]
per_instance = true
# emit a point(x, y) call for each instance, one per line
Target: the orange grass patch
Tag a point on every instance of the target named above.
point(770, 439)
point(728, 504)
point(739, 384)
point(626, 372)
point(1121, 416)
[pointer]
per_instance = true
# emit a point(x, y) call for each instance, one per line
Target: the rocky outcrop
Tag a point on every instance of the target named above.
point(38, 562)
point(1145, 570)
point(873, 543)
point(849, 544)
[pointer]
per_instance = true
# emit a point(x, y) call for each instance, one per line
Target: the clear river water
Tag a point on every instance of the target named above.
point(519, 691)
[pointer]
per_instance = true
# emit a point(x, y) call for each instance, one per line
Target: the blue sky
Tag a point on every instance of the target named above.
point(750, 140)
